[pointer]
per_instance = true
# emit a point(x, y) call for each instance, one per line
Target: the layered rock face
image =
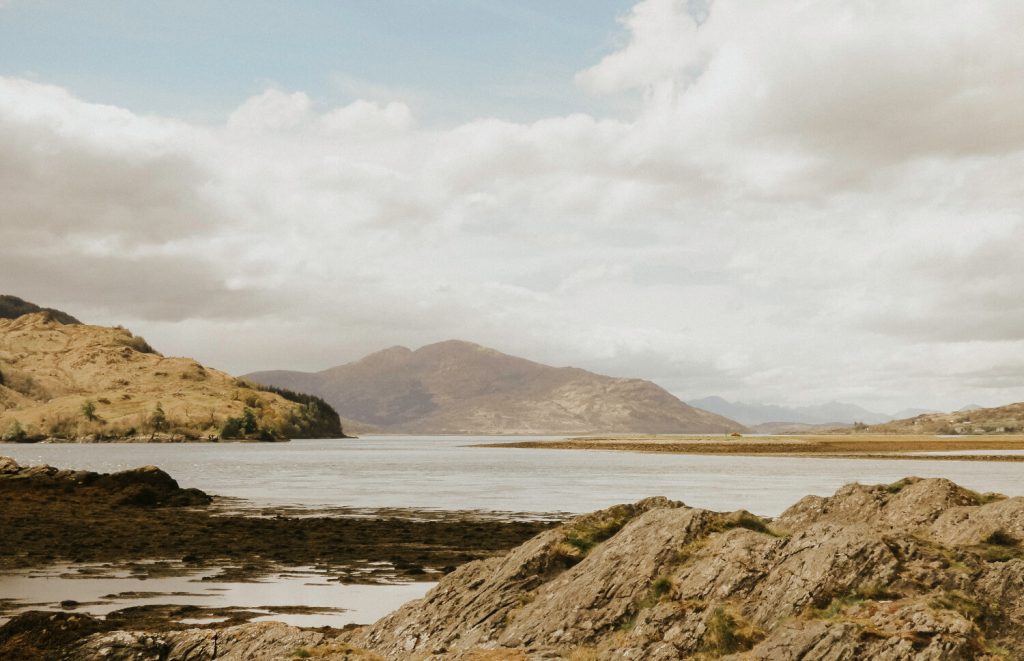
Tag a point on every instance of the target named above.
point(922, 569)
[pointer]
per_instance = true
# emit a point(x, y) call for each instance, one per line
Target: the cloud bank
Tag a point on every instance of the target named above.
point(812, 201)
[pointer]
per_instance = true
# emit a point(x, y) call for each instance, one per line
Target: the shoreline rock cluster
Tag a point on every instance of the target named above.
point(147, 486)
point(918, 569)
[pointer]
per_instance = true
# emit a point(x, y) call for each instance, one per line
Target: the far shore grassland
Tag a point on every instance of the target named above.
point(849, 446)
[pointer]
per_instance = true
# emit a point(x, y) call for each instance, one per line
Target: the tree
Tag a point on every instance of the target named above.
point(249, 425)
point(89, 410)
point(158, 419)
point(232, 428)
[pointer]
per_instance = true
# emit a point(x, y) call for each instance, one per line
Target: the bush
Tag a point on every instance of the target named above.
point(138, 343)
point(1000, 538)
point(15, 433)
point(89, 410)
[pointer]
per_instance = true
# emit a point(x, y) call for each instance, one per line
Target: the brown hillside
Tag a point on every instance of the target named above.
point(460, 387)
point(1007, 419)
point(49, 370)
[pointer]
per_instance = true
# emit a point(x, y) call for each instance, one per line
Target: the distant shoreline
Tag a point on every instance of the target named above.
point(895, 447)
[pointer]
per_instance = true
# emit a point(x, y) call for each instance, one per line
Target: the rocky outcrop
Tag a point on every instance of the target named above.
point(147, 486)
point(459, 387)
point(921, 569)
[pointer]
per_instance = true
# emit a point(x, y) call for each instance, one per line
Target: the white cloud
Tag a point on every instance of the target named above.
point(814, 201)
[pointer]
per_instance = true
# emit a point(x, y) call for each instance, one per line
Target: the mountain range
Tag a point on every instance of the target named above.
point(457, 387)
point(831, 413)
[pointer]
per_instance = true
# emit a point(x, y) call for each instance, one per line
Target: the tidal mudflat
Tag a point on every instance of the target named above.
point(136, 545)
point(1003, 447)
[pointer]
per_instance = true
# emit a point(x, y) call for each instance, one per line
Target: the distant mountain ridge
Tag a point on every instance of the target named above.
point(971, 419)
point(831, 413)
point(461, 387)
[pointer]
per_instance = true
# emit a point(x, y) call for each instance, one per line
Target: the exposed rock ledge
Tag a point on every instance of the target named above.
point(921, 569)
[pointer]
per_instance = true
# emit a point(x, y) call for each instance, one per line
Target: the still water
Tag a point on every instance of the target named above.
point(99, 591)
point(445, 473)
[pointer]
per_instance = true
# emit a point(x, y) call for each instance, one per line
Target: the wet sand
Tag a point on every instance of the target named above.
point(847, 446)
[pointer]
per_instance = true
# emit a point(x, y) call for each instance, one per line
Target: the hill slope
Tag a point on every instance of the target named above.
point(460, 387)
point(968, 420)
point(77, 382)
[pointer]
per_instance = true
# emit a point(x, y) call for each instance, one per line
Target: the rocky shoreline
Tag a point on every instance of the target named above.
point(143, 524)
point(918, 569)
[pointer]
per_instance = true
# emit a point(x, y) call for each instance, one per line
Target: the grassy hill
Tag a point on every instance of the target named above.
point(72, 381)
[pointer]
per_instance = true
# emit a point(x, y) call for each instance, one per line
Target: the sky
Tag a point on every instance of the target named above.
point(784, 201)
